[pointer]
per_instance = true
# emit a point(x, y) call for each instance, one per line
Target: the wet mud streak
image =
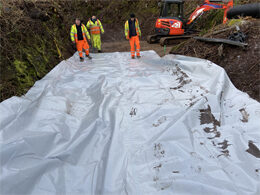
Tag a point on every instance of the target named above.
point(157, 168)
point(245, 115)
point(160, 121)
point(183, 78)
point(158, 151)
point(221, 96)
point(206, 117)
point(224, 145)
point(133, 112)
point(204, 89)
point(192, 101)
point(221, 99)
point(253, 149)
point(224, 153)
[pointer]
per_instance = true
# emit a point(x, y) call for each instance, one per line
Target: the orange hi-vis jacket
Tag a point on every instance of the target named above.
point(74, 35)
point(95, 28)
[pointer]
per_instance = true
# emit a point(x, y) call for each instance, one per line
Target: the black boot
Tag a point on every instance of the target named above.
point(133, 57)
point(81, 59)
point(99, 51)
point(138, 57)
point(89, 57)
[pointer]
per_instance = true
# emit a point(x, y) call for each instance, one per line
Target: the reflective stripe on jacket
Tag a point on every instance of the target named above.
point(74, 35)
point(138, 31)
point(95, 28)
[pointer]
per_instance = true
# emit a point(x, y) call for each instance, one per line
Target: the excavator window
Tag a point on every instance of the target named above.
point(170, 10)
point(173, 10)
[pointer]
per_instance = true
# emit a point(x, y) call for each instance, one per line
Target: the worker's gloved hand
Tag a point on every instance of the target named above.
point(103, 32)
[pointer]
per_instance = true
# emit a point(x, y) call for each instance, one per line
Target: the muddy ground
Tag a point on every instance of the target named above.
point(241, 64)
point(123, 46)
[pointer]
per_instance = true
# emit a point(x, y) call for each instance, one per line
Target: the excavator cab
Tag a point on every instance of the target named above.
point(171, 18)
point(172, 9)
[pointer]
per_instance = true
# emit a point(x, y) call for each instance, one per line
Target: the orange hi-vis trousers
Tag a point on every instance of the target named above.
point(82, 44)
point(134, 41)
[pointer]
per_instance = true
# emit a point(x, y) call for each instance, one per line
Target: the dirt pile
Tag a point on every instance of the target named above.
point(241, 65)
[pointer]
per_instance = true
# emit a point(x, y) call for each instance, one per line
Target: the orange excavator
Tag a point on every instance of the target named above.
point(172, 25)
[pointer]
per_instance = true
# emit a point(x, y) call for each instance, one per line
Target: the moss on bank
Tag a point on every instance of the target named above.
point(35, 34)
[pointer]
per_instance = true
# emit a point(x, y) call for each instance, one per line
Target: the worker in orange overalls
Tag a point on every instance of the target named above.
point(133, 32)
point(79, 35)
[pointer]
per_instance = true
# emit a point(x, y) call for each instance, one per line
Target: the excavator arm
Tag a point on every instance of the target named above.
point(210, 5)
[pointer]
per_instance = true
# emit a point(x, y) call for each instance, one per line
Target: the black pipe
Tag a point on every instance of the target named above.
point(252, 10)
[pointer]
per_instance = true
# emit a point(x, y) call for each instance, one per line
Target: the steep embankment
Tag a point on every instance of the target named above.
point(35, 34)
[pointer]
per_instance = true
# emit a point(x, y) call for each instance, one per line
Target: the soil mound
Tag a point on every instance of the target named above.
point(242, 65)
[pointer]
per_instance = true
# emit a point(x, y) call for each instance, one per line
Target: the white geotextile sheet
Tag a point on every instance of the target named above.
point(113, 125)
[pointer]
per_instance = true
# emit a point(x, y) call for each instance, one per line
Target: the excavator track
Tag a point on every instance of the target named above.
point(166, 40)
point(170, 39)
point(153, 39)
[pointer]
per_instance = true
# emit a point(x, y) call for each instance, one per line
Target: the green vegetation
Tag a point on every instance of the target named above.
point(35, 34)
point(210, 20)
point(234, 22)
